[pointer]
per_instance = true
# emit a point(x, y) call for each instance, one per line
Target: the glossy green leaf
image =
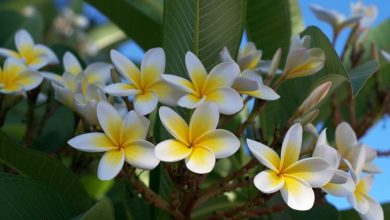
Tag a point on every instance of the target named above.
point(41, 167)
point(103, 209)
point(293, 92)
point(271, 24)
point(359, 75)
point(203, 27)
point(319, 212)
point(25, 198)
point(139, 19)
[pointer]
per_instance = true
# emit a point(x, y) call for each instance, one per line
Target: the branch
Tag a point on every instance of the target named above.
point(385, 153)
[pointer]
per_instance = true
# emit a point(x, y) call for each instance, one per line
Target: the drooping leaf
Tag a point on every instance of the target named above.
point(103, 209)
point(41, 167)
point(293, 92)
point(25, 198)
point(359, 75)
point(271, 24)
point(140, 20)
point(203, 27)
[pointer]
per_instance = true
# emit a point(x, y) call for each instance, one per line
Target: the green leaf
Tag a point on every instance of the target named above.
point(203, 27)
point(271, 24)
point(213, 205)
point(139, 19)
point(101, 210)
point(25, 198)
point(293, 92)
point(324, 211)
point(40, 167)
point(359, 75)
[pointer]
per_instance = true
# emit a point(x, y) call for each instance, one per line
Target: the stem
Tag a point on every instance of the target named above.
point(3, 111)
point(129, 105)
point(31, 101)
point(257, 109)
point(350, 41)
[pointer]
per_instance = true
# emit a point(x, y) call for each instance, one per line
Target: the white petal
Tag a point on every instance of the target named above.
point(44, 50)
point(252, 75)
point(339, 177)
point(134, 127)
point(153, 66)
point(314, 171)
point(64, 95)
point(71, 64)
point(174, 124)
point(243, 85)
point(371, 168)
point(264, 154)
point(167, 94)
point(221, 76)
point(204, 119)
point(125, 67)
point(145, 103)
point(345, 137)
point(268, 181)
point(23, 40)
point(110, 121)
point(171, 151)
point(327, 153)
point(356, 156)
point(297, 194)
point(121, 89)
point(291, 147)
point(226, 57)
point(52, 77)
point(111, 164)
point(8, 53)
point(196, 70)
point(375, 211)
point(98, 73)
point(140, 154)
point(29, 80)
point(223, 143)
point(179, 83)
point(264, 93)
point(360, 204)
point(340, 190)
point(201, 160)
point(190, 101)
point(92, 142)
point(228, 100)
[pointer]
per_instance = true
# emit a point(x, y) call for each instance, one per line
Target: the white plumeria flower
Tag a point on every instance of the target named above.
point(315, 97)
point(368, 14)
point(302, 60)
point(213, 87)
point(349, 148)
point(16, 77)
point(123, 140)
point(293, 177)
point(385, 55)
point(337, 20)
point(35, 56)
point(249, 82)
point(199, 143)
point(367, 207)
point(341, 183)
point(147, 86)
point(76, 80)
point(86, 104)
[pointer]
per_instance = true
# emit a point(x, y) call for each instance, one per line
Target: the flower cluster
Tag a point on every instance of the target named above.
point(121, 125)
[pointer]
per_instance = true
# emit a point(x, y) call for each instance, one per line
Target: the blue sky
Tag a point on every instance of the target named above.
point(377, 137)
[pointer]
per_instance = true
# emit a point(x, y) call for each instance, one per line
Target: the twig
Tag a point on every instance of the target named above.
point(32, 97)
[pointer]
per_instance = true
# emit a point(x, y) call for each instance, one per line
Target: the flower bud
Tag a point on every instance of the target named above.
point(315, 97)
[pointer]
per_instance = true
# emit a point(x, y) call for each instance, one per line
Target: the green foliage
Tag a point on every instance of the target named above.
point(101, 210)
point(319, 212)
point(293, 92)
point(43, 168)
point(203, 27)
point(25, 198)
point(271, 24)
point(140, 20)
point(359, 75)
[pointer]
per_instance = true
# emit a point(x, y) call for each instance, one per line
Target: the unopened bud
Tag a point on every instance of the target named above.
point(315, 97)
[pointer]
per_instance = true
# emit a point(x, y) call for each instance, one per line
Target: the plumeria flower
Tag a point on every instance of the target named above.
point(302, 61)
point(35, 56)
point(123, 140)
point(315, 97)
point(368, 14)
point(16, 77)
point(249, 82)
point(76, 80)
point(293, 177)
point(213, 87)
point(146, 85)
point(349, 148)
point(86, 104)
point(335, 19)
point(385, 55)
point(199, 143)
point(367, 207)
point(341, 183)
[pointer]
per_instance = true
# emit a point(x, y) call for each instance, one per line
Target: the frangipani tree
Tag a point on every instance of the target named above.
point(199, 128)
